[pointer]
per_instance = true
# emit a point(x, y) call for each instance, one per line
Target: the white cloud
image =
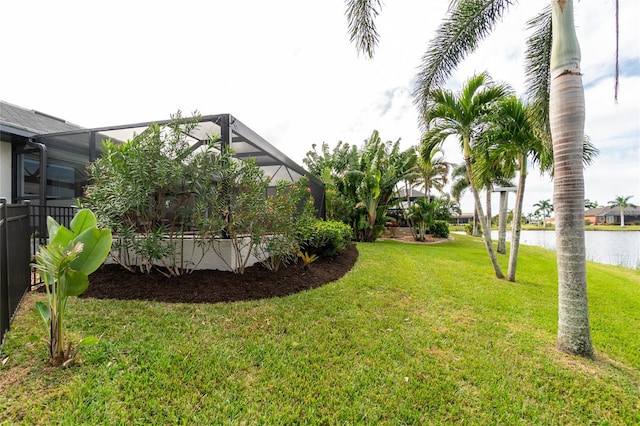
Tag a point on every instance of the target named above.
point(287, 70)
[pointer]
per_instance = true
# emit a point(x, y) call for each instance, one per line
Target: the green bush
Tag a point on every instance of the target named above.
point(439, 229)
point(468, 228)
point(327, 238)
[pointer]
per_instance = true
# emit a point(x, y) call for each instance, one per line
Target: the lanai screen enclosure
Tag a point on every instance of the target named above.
point(67, 154)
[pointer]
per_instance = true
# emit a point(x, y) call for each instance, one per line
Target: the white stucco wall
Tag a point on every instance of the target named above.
point(5, 171)
point(217, 254)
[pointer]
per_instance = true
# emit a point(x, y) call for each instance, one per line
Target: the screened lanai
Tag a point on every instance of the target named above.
point(68, 153)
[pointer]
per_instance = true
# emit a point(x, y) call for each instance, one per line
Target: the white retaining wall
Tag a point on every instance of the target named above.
point(216, 254)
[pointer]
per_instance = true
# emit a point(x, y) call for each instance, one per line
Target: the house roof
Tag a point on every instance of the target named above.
point(413, 193)
point(608, 210)
point(29, 122)
point(597, 211)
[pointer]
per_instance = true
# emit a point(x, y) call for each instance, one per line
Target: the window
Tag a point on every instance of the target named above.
point(65, 180)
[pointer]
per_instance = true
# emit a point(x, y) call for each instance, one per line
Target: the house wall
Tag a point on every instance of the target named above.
point(5, 171)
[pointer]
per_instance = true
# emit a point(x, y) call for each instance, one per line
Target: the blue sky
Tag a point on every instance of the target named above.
point(288, 71)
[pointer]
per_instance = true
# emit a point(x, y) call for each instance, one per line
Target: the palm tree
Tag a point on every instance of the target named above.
point(555, 84)
point(421, 216)
point(544, 209)
point(588, 204)
point(622, 202)
point(514, 137)
point(432, 168)
point(448, 208)
point(461, 115)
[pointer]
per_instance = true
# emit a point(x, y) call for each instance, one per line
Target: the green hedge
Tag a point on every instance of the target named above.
point(439, 229)
point(327, 238)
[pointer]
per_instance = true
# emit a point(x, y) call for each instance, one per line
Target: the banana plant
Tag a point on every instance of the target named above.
point(65, 264)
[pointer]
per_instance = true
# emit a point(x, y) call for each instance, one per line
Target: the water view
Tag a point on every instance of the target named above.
point(610, 247)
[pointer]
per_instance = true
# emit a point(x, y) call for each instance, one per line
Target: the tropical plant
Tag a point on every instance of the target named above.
point(307, 259)
point(544, 209)
point(65, 264)
point(622, 202)
point(448, 208)
point(361, 182)
point(421, 215)
point(330, 167)
point(463, 115)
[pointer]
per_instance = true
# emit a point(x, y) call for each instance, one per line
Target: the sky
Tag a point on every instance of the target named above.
point(287, 70)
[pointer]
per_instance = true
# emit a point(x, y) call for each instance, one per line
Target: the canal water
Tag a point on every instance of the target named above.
point(621, 248)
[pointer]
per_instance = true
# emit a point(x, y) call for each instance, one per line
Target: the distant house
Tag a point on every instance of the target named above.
point(611, 215)
point(462, 219)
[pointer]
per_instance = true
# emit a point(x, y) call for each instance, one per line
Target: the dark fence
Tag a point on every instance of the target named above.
point(39, 235)
point(15, 259)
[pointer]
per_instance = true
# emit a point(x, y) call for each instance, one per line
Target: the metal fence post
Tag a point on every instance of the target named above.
point(4, 277)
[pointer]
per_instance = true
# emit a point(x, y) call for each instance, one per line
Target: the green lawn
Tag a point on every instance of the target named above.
point(414, 334)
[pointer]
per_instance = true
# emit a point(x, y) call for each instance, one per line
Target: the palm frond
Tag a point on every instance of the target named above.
point(537, 66)
point(467, 23)
point(589, 151)
point(361, 15)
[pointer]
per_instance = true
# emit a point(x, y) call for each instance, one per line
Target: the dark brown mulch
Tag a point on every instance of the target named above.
point(209, 286)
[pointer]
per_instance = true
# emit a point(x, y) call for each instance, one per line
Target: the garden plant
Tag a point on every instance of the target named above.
point(65, 264)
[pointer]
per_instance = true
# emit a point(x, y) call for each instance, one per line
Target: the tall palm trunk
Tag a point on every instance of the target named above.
point(474, 229)
point(567, 116)
point(488, 204)
point(516, 225)
point(483, 222)
point(502, 223)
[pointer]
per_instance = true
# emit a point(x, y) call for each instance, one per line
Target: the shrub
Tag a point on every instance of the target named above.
point(149, 191)
point(289, 212)
point(327, 239)
point(468, 228)
point(439, 229)
point(157, 191)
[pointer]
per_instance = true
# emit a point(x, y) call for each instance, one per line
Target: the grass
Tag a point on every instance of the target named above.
point(414, 334)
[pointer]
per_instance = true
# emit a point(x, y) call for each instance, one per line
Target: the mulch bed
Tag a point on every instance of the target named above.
point(210, 286)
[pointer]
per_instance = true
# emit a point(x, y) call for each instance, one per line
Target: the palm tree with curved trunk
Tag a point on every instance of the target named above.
point(461, 115)
point(513, 137)
point(622, 202)
point(555, 86)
